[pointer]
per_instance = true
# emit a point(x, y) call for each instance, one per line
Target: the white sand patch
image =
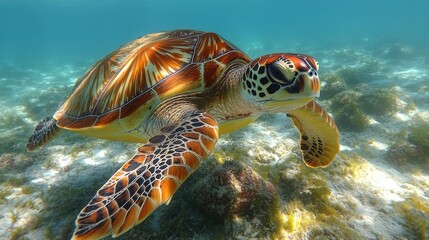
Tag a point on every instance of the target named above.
point(402, 117)
point(48, 176)
point(379, 145)
point(409, 74)
point(423, 114)
point(97, 157)
point(374, 222)
point(372, 121)
point(345, 148)
point(386, 183)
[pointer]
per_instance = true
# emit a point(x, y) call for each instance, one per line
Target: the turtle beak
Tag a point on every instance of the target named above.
point(310, 83)
point(315, 85)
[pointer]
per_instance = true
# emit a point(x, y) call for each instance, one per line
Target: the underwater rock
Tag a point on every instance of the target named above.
point(235, 189)
point(402, 152)
point(351, 117)
point(14, 161)
point(368, 71)
point(348, 114)
point(379, 102)
point(419, 134)
point(350, 75)
point(344, 98)
point(398, 52)
point(334, 85)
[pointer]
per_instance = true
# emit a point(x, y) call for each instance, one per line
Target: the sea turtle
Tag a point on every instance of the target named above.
point(176, 92)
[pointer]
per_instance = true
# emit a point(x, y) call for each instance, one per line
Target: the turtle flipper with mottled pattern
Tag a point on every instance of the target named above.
point(44, 131)
point(148, 179)
point(319, 135)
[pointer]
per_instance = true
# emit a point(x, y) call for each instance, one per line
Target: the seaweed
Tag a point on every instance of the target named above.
point(297, 218)
point(4, 193)
point(13, 163)
point(344, 98)
point(368, 71)
point(415, 212)
point(27, 190)
point(66, 198)
point(402, 152)
point(398, 52)
point(333, 227)
point(309, 209)
point(348, 114)
point(379, 102)
point(419, 133)
point(351, 75)
point(351, 117)
point(15, 181)
point(334, 84)
point(312, 191)
point(17, 233)
point(49, 233)
point(14, 131)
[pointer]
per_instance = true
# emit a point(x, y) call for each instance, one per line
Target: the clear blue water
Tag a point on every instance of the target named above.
point(34, 30)
point(368, 51)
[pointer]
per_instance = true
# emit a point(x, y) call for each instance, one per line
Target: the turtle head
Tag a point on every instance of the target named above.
point(281, 82)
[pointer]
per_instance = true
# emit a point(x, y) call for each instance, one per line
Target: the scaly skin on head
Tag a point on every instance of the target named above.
point(280, 82)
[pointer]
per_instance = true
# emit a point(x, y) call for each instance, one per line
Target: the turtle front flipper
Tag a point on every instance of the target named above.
point(148, 179)
point(44, 132)
point(319, 134)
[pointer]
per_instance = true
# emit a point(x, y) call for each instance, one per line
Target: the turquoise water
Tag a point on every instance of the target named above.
point(374, 68)
point(36, 30)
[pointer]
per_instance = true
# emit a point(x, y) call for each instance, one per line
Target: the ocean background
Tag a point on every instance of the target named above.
point(374, 68)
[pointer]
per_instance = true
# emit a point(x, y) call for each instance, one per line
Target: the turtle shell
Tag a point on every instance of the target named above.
point(144, 73)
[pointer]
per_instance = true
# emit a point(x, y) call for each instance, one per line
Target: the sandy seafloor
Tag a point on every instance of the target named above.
point(377, 188)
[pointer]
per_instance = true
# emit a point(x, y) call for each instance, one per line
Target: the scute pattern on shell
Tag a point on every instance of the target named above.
point(157, 65)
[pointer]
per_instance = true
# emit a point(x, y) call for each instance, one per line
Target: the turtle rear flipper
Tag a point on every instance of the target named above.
point(148, 179)
point(44, 132)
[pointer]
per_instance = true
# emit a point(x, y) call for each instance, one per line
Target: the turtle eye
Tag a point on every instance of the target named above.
point(276, 73)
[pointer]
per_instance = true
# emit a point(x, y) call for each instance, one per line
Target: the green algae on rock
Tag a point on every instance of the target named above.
point(398, 52)
point(368, 71)
point(351, 117)
point(419, 133)
point(334, 84)
point(402, 152)
point(379, 102)
point(415, 212)
point(348, 113)
point(344, 98)
point(233, 189)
